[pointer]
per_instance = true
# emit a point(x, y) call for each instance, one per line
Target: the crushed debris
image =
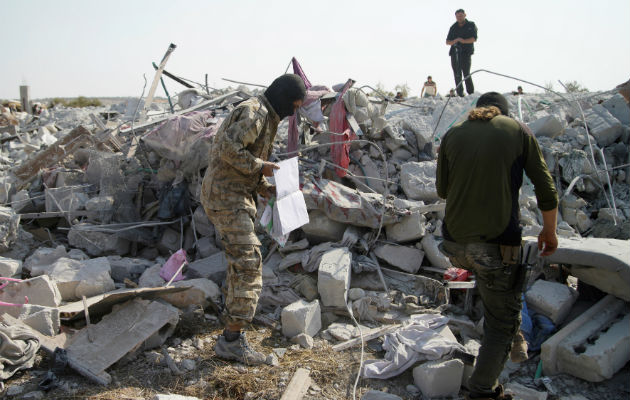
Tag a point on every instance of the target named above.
point(109, 263)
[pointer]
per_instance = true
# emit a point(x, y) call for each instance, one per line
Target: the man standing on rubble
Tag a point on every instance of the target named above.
point(461, 37)
point(479, 173)
point(236, 172)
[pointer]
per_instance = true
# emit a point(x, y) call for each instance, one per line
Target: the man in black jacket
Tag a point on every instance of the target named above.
point(461, 37)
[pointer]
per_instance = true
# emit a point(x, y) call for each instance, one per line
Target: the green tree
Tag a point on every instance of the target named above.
point(575, 87)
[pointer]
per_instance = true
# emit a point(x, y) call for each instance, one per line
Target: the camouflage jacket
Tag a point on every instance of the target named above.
point(242, 143)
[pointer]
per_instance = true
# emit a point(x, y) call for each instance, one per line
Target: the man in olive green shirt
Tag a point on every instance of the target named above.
point(480, 171)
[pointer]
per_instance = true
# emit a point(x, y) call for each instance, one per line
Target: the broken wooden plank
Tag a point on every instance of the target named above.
point(369, 335)
point(298, 385)
point(55, 153)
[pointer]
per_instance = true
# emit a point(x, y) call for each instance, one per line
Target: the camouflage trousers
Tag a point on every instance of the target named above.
point(243, 283)
point(500, 285)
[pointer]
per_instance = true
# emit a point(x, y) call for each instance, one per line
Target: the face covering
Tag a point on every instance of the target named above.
point(283, 92)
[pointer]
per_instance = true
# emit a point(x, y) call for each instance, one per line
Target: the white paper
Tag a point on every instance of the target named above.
point(290, 210)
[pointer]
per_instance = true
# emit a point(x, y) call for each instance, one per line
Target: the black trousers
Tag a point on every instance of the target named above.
point(461, 68)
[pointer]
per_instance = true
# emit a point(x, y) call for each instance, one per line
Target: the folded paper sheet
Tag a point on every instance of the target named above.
point(289, 211)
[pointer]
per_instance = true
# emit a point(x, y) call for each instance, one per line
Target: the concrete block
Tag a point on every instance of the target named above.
point(596, 353)
point(408, 259)
point(10, 268)
point(411, 227)
point(551, 299)
point(603, 263)
point(301, 317)
point(202, 223)
point(41, 318)
point(618, 107)
point(523, 392)
point(213, 268)
point(201, 290)
point(439, 378)
point(604, 127)
point(9, 224)
point(320, 228)
point(378, 395)
point(548, 126)
point(418, 180)
point(127, 268)
point(40, 290)
point(97, 243)
point(333, 277)
point(372, 170)
point(101, 208)
point(151, 277)
point(170, 241)
point(43, 257)
point(81, 278)
point(206, 247)
point(591, 321)
point(304, 340)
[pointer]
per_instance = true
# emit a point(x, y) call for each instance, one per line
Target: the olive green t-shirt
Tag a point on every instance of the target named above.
point(479, 173)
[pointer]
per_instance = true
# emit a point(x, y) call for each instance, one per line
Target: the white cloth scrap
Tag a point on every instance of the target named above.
point(415, 341)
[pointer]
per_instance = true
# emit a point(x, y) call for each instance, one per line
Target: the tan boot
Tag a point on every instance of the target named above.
point(518, 353)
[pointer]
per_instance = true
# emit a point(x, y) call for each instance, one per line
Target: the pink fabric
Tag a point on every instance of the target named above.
point(172, 265)
point(297, 69)
point(340, 151)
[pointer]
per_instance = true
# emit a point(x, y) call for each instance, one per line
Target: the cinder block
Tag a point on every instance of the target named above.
point(333, 277)
point(408, 259)
point(591, 321)
point(301, 317)
point(439, 378)
point(551, 299)
point(320, 228)
point(40, 290)
point(596, 353)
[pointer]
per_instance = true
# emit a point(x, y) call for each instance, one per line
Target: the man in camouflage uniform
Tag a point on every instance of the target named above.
point(236, 172)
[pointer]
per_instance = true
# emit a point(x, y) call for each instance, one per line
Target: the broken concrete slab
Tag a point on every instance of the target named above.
point(430, 246)
point(45, 320)
point(551, 299)
point(206, 246)
point(137, 324)
point(10, 268)
point(411, 227)
point(97, 243)
point(202, 224)
point(301, 317)
point(591, 321)
point(213, 268)
point(151, 278)
point(603, 263)
point(101, 208)
point(76, 279)
point(9, 227)
point(40, 290)
point(333, 277)
point(418, 180)
point(408, 259)
point(439, 378)
point(43, 256)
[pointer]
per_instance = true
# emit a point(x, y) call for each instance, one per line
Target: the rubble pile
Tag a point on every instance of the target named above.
point(101, 209)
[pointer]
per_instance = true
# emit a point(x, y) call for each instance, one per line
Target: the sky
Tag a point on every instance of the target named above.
point(70, 48)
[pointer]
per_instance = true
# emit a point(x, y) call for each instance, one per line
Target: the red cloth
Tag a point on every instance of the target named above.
point(340, 151)
point(456, 274)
